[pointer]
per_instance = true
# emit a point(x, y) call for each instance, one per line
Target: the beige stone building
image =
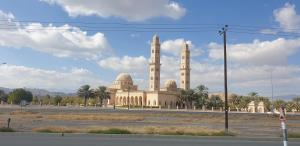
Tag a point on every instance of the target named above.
point(124, 92)
point(259, 108)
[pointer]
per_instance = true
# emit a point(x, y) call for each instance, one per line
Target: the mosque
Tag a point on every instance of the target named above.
point(123, 91)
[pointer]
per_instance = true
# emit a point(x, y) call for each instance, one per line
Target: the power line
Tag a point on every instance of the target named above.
point(142, 27)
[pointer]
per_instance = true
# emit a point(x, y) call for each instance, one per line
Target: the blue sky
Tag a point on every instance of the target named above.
point(60, 45)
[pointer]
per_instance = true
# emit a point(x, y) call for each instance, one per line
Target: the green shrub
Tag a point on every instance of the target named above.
point(111, 131)
point(5, 129)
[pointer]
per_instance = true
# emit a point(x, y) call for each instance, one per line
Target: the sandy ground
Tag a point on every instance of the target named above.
point(243, 124)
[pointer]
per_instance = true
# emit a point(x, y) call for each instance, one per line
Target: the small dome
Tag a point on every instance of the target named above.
point(170, 84)
point(123, 77)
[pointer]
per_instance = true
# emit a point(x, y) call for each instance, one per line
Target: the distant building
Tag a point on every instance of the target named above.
point(253, 107)
point(124, 92)
point(220, 94)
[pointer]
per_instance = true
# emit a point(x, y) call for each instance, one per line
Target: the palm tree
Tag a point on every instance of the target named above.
point(296, 101)
point(253, 95)
point(290, 106)
point(278, 103)
point(102, 94)
point(85, 92)
point(245, 100)
point(235, 101)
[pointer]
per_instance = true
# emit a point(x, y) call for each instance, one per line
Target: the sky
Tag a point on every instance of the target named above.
point(60, 45)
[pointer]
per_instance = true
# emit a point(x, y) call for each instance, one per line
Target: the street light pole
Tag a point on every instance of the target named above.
point(223, 33)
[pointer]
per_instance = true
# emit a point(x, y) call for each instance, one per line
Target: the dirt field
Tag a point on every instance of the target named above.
point(83, 120)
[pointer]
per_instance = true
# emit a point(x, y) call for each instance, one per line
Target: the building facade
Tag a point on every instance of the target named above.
point(124, 92)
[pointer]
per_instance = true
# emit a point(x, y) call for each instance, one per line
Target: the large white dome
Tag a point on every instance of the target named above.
point(170, 84)
point(124, 78)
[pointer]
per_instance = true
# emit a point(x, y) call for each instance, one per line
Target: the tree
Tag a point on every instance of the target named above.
point(46, 100)
point(57, 99)
point(253, 97)
point(215, 101)
point(85, 92)
point(35, 100)
point(296, 102)
point(181, 97)
point(235, 101)
point(278, 103)
point(3, 96)
point(186, 97)
point(102, 94)
point(201, 97)
point(17, 95)
point(245, 100)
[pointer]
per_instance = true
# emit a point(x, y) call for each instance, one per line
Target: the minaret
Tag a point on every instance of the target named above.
point(154, 66)
point(185, 67)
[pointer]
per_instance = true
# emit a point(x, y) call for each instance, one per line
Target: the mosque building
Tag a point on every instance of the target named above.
point(124, 92)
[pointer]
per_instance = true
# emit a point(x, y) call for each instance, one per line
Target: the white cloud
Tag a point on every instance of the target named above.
point(268, 31)
point(257, 52)
point(125, 64)
point(62, 41)
point(130, 10)
point(13, 76)
point(287, 17)
point(174, 47)
point(241, 79)
point(244, 79)
point(170, 68)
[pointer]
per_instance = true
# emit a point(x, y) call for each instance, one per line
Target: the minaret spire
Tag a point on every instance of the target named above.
point(154, 66)
point(185, 67)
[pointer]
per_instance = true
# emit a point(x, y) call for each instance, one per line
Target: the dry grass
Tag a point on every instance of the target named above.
point(158, 130)
point(96, 117)
point(19, 112)
point(56, 129)
point(294, 135)
point(25, 114)
point(197, 131)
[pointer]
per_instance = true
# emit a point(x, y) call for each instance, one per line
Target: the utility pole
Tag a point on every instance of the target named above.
point(272, 106)
point(223, 33)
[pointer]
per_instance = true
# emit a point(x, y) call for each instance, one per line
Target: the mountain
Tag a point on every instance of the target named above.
point(40, 92)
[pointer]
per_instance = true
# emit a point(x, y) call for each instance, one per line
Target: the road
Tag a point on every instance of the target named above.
point(44, 139)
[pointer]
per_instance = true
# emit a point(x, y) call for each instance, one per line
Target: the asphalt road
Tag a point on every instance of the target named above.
point(42, 139)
